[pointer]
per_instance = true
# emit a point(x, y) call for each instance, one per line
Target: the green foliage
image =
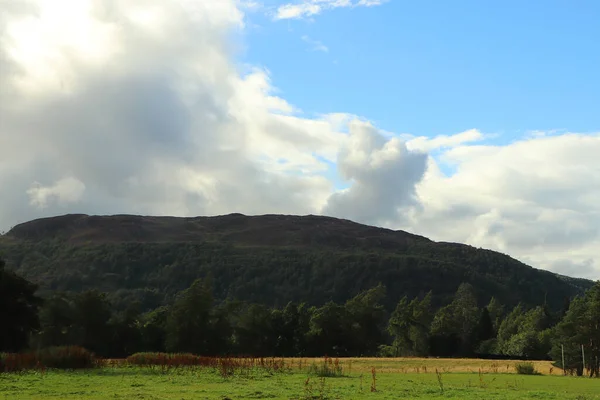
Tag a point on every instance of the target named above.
point(291, 325)
point(409, 325)
point(152, 326)
point(489, 346)
point(256, 330)
point(524, 333)
point(485, 326)
point(195, 324)
point(354, 328)
point(328, 368)
point(510, 325)
point(93, 312)
point(367, 317)
point(82, 319)
point(496, 313)
point(526, 368)
point(18, 310)
point(188, 323)
point(270, 260)
point(580, 327)
point(454, 326)
point(329, 331)
point(223, 295)
point(387, 351)
point(466, 312)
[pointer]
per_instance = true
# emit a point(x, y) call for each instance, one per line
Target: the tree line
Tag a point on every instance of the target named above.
point(194, 322)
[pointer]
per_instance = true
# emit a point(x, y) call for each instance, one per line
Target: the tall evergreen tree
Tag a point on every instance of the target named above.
point(58, 322)
point(485, 327)
point(189, 320)
point(18, 310)
point(409, 326)
point(153, 329)
point(330, 331)
point(93, 313)
point(399, 326)
point(454, 326)
point(467, 312)
point(421, 324)
point(291, 335)
point(255, 331)
point(592, 330)
point(569, 336)
point(367, 317)
point(496, 312)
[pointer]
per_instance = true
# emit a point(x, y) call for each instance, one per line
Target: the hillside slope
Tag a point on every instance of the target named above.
point(270, 259)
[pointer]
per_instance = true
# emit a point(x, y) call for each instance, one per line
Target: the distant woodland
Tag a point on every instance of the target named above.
point(282, 286)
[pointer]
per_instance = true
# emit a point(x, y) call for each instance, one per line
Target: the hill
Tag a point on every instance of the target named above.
point(270, 259)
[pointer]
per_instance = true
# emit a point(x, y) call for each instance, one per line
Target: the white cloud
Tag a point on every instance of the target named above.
point(309, 8)
point(426, 144)
point(250, 5)
point(138, 107)
point(157, 119)
point(536, 199)
point(293, 11)
point(315, 45)
point(64, 191)
point(370, 3)
point(383, 174)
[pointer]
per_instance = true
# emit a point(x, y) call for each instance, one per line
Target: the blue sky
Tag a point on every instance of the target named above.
point(439, 67)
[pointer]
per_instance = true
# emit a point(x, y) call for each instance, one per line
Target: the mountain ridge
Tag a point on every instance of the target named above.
point(266, 258)
point(139, 228)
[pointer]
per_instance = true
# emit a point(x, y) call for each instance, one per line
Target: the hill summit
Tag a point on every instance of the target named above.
point(271, 259)
point(264, 230)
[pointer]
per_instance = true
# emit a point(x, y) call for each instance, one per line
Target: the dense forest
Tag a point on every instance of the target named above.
point(282, 286)
point(270, 260)
point(195, 323)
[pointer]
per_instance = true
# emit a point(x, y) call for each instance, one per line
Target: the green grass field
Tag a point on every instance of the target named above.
point(394, 380)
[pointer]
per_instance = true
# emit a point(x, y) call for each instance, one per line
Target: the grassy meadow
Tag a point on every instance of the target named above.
point(408, 378)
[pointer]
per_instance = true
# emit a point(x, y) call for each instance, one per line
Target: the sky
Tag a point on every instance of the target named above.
point(465, 121)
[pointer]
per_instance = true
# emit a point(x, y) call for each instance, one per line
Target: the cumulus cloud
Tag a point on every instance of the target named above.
point(382, 173)
point(138, 107)
point(140, 103)
point(309, 8)
point(536, 199)
point(122, 107)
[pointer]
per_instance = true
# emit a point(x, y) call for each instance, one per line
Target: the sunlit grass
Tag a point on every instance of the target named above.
point(428, 365)
point(395, 378)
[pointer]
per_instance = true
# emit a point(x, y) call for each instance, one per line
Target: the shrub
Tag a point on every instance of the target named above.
point(386, 351)
point(489, 346)
point(66, 357)
point(171, 360)
point(226, 366)
point(15, 362)
point(327, 369)
point(526, 368)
